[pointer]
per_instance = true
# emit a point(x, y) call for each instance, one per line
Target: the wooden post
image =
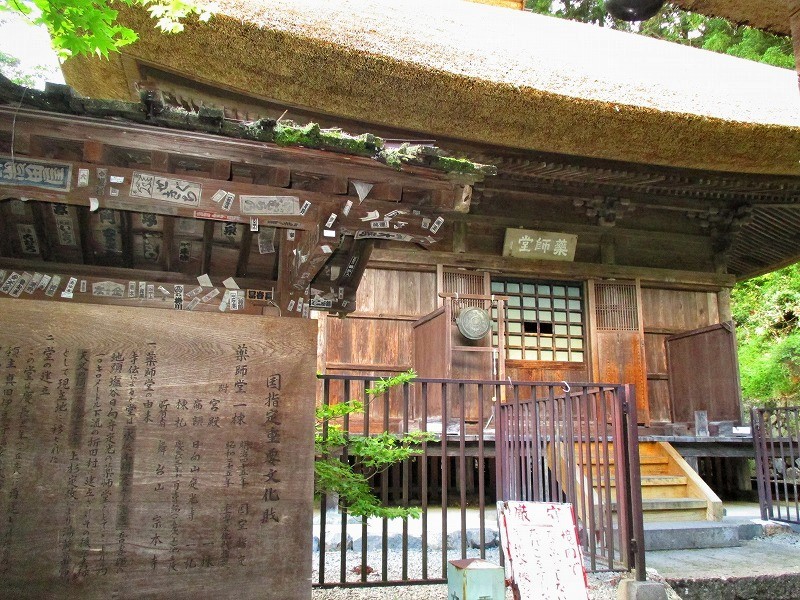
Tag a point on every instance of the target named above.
point(724, 305)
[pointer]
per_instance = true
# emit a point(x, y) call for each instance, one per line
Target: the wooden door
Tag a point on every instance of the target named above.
point(704, 374)
point(618, 338)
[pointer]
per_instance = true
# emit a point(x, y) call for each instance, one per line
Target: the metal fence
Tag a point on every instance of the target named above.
point(776, 435)
point(552, 446)
point(578, 443)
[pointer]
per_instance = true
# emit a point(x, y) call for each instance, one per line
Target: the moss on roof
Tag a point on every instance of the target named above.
point(483, 74)
point(152, 111)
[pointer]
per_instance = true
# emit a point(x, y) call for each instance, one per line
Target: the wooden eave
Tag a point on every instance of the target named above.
point(96, 224)
point(769, 15)
point(478, 73)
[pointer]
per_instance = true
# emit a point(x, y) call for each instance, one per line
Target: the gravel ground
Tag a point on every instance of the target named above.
point(602, 586)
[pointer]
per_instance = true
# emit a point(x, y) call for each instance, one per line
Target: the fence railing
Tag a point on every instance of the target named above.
point(578, 443)
point(541, 434)
point(776, 436)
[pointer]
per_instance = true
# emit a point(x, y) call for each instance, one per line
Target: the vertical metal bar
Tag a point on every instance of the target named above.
point(620, 463)
point(776, 500)
point(622, 474)
point(343, 524)
point(406, 483)
point(762, 464)
point(423, 482)
point(793, 438)
point(634, 473)
point(536, 442)
point(462, 466)
point(323, 498)
point(366, 398)
point(499, 446)
point(500, 437)
point(481, 477)
point(385, 495)
point(514, 460)
point(586, 479)
point(783, 432)
point(522, 463)
point(525, 441)
point(569, 434)
point(445, 479)
point(551, 436)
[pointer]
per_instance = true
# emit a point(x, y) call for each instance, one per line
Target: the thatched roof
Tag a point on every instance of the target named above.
point(485, 74)
point(771, 15)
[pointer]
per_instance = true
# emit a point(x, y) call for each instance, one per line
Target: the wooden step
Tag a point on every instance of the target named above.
point(644, 459)
point(653, 487)
point(651, 480)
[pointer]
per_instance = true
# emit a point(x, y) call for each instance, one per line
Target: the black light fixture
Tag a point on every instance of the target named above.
point(633, 10)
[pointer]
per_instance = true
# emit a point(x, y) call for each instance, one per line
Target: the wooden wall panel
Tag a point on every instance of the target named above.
point(678, 310)
point(363, 344)
point(657, 377)
point(658, 396)
point(396, 293)
point(548, 371)
point(154, 454)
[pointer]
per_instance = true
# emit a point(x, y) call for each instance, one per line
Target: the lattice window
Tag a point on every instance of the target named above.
point(616, 307)
point(459, 281)
point(544, 320)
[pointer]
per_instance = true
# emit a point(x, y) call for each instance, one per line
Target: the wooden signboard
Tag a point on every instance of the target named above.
point(540, 546)
point(154, 454)
point(540, 245)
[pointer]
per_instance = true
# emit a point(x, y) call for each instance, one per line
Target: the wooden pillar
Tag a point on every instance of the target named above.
point(724, 305)
point(608, 249)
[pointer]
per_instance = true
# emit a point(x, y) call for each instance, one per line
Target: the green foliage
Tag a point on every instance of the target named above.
point(368, 455)
point(90, 26)
point(287, 133)
point(767, 314)
point(675, 25)
point(9, 66)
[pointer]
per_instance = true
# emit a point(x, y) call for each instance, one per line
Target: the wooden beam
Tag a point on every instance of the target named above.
point(159, 161)
point(160, 299)
point(287, 246)
point(203, 207)
point(94, 152)
point(415, 259)
point(126, 233)
point(40, 224)
point(221, 169)
point(148, 138)
point(85, 234)
point(244, 252)
point(102, 272)
point(312, 254)
point(208, 246)
point(167, 239)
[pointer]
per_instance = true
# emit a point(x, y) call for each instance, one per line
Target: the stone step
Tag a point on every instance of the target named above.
point(694, 535)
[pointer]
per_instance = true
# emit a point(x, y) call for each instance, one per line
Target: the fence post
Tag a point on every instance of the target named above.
point(499, 447)
point(626, 450)
point(762, 463)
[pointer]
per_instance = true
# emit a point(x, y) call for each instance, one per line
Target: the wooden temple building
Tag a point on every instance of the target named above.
point(608, 189)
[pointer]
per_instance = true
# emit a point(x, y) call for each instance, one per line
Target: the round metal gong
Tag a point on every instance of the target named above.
point(473, 322)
